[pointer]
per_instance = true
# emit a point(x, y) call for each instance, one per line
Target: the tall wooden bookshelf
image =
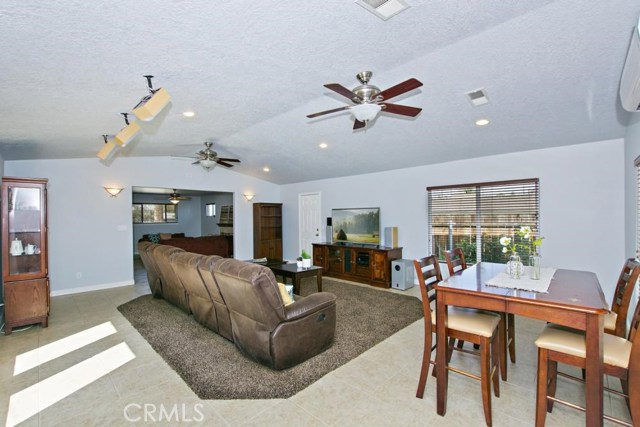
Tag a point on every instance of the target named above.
point(267, 230)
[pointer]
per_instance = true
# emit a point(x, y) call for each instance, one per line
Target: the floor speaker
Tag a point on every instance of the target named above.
point(402, 273)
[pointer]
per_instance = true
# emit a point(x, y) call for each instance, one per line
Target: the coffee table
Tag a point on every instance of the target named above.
point(296, 273)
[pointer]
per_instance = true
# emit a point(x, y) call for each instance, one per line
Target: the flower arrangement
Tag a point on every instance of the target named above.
point(510, 245)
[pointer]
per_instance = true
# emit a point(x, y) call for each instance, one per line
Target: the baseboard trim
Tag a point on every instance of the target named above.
point(91, 288)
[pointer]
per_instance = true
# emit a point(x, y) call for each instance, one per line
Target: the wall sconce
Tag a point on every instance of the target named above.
point(249, 197)
point(210, 209)
point(113, 191)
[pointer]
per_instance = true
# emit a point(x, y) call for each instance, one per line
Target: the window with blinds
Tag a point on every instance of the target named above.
point(474, 217)
point(637, 164)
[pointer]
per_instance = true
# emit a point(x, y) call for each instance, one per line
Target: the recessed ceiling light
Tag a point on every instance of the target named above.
point(266, 169)
point(188, 114)
point(323, 145)
point(482, 122)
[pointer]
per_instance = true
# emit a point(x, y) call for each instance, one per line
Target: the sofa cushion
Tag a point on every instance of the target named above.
point(284, 293)
point(165, 236)
point(154, 238)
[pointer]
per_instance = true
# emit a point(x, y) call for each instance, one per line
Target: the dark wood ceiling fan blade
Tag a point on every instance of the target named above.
point(357, 124)
point(220, 162)
point(322, 113)
point(403, 110)
point(224, 159)
point(400, 88)
point(339, 89)
point(196, 162)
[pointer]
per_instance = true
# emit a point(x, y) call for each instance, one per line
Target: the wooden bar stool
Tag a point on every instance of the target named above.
point(463, 324)
point(621, 358)
point(615, 322)
point(456, 263)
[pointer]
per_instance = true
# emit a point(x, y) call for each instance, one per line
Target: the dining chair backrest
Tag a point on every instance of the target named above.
point(429, 275)
point(455, 261)
point(623, 293)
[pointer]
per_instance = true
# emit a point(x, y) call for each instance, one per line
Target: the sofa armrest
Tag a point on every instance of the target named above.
point(305, 306)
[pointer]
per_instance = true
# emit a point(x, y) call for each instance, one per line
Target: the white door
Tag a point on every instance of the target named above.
point(309, 220)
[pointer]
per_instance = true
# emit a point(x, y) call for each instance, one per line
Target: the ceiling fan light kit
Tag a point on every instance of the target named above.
point(207, 163)
point(365, 112)
point(370, 100)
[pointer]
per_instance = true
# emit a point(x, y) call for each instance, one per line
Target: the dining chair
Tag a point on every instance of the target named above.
point(455, 260)
point(463, 324)
point(456, 263)
point(615, 322)
point(621, 356)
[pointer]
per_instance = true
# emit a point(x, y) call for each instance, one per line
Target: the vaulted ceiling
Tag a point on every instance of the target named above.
point(253, 70)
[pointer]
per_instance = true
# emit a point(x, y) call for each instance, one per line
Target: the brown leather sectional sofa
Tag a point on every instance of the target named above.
point(241, 301)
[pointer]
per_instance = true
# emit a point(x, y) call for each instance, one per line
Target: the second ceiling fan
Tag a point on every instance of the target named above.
point(370, 100)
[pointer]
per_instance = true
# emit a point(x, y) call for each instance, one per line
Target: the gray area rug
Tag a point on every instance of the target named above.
point(215, 369)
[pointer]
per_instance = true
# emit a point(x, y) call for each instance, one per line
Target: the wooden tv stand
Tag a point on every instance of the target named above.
point(359, 263)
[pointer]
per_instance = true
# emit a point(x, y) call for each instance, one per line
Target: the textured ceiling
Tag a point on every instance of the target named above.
point(253, 70)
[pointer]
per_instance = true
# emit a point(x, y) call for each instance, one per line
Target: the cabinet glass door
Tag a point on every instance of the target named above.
point(24, 229)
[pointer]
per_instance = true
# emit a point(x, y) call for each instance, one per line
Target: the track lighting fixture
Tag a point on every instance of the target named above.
point(151, 105)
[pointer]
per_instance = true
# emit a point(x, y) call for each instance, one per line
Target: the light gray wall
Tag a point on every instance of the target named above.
point(210, 224)
point(581, 202)
point(90, 233)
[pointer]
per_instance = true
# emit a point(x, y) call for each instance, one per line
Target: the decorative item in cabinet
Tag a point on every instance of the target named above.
point(24, 254)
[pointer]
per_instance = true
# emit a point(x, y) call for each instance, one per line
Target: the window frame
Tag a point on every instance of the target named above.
point(482, 208)
point(164, 213)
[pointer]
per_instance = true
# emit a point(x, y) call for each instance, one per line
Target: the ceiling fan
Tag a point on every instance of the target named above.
point(175, 197)
point(207, 158)
point(370, 100)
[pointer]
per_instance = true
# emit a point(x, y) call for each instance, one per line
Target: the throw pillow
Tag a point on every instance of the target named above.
point(286, 298)
point(154, 238)
point(165, 236)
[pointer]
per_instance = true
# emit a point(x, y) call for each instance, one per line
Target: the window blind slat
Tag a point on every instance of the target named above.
point(475, 216)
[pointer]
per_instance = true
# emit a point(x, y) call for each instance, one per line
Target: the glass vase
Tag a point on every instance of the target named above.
point(534, 267)
point(514, 266)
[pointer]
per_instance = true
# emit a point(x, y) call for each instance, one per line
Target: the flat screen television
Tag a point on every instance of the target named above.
point(356, 225)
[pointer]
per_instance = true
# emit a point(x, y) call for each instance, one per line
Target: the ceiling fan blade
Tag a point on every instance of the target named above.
point(224, 159)
point(322, 113)
point(400, 88)
point(357, 124)
point(197, 162)
point(403, 110)
point(220, 162)
point(341, 90)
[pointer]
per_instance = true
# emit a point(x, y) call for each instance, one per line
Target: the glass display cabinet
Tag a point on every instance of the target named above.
point(24, 253)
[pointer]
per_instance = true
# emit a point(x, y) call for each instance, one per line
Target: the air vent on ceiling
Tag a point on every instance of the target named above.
point(478, 97)
point(383, 9)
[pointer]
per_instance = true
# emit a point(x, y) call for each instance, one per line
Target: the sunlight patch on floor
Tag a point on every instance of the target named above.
point(45, 393)
point(46, 353)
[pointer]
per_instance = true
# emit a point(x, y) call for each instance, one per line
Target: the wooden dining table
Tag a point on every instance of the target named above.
point(574, 299)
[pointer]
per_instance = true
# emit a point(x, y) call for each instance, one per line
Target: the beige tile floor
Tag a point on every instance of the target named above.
point(376, 389)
